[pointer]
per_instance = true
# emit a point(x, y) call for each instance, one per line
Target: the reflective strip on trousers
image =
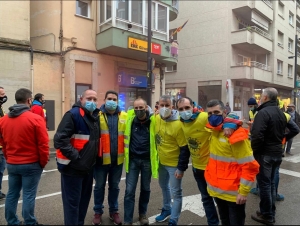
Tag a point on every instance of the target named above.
point(104, 131)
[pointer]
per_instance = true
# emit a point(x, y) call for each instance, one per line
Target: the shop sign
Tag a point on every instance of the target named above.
point(141, 45)
point(132, 80)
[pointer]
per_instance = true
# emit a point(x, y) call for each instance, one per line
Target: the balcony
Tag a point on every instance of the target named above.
point(251, 70)
point(264, 7)
point(116, 42)
point(252, 39)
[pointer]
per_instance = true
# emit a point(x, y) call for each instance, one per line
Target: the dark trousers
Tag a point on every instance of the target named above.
point(76, 194)
point(207, 200)
point(230, 212)
point(266, 183)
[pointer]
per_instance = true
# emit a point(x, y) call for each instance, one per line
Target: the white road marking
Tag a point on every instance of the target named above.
point(44, 171)
point(192, 203)
point(289, 172)
point(294, 158)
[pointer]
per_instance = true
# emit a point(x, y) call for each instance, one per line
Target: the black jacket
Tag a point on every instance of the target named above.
point(268, 130)
point(73, 123)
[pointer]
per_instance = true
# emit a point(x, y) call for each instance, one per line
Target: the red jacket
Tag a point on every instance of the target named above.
point(36, 109)
point(24, 139)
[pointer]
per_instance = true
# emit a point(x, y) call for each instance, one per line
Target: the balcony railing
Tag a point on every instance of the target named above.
point(255, 64)
point(298, 29)
point(268, 3)
point(298, 4)
point(298, 54)
point(259, 31)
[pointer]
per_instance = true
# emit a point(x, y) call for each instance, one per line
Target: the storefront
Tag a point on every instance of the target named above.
point(131, 87)
point(241, 95)
point(175, 93)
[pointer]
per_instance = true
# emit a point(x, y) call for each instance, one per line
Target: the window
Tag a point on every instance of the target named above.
point(280, 39)
point(279, 67)
point(137, 11)
point(280, 9)
point(175, 93)
point(83, 8)
point(290, 45)
point(171, 68)
point(162, 19)
point(174, 36)
point(105, 10)
point(122, 9)
point(291, 18)
point(290, 70)
point(243, 60)
point(153, 10)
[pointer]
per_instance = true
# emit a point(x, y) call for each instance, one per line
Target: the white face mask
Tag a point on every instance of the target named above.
point(165, 112)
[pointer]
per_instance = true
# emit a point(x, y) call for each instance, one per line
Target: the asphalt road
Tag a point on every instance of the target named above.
point(49, 205)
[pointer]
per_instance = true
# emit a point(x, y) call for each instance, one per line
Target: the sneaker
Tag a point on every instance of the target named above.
point(254, 191)
point(172, 223)
point(143, 219)
point(115, 217)
point(97, 219)
point(2, 196)
point(261, 219)
point(279, 197)
point(165, 214)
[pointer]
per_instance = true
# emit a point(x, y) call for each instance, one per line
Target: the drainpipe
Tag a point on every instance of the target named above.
point(62, 61)
point(31, 68)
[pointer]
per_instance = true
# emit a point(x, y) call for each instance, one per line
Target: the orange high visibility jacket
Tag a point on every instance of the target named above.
point(231, 169)
point(104, 151)
point(77, 141)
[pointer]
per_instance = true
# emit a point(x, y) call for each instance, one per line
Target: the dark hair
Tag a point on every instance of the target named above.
point(38, 96)
point(271, 93)
point(111, 92)
point(22, 95)
point(145, 102)
point(215, 102)
point(1, 87)
point(180, 100)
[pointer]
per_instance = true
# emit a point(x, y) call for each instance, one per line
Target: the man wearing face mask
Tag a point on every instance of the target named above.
point(296, 118)
point(37, 105)
point(111, 157)
point(3, 99)
point(140, 158)
point(231, 169)
point(77, 142)
point(173, 155)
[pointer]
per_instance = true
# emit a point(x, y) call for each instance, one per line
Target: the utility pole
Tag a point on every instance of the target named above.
point(149, 61)
point(295, 69)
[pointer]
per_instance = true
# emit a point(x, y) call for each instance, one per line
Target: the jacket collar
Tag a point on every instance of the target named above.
point(267, 104)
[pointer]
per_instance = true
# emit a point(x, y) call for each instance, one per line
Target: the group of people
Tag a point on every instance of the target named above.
point(93, 144)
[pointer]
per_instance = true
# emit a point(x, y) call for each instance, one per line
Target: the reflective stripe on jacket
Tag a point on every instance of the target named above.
point(77, 141)
point(231, 169)
point(104, 151)
point(153, 151)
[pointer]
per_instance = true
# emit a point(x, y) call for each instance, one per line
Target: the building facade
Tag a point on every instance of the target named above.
point(232, 50)
point(15, 51)
point(100, 45)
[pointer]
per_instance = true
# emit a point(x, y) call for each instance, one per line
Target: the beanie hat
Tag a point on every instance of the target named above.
point(252, 101)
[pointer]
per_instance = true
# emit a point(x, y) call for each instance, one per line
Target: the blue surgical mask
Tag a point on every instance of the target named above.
point(252, 109)
point(111, 105)
point(186, 115)
point(90, 106)
point(215, 120)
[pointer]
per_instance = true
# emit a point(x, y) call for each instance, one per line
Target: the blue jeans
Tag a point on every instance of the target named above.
point(169, 183)
point(76, 193)
point(114, 173)
point(207, 200)
point(137, 166)
point(2, 168)
point(231, 213)
point(266, 184)
point(23, 177)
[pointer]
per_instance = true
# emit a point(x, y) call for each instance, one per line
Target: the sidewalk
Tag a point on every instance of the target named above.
point(52, 152)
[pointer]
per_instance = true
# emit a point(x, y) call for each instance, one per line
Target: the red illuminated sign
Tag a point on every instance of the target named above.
point(156, 48)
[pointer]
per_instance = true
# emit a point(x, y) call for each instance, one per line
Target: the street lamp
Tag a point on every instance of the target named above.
point(149, 60)
point(295, 67)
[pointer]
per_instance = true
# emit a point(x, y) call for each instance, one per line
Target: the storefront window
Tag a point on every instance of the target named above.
point(207, 93)
point(175, 93)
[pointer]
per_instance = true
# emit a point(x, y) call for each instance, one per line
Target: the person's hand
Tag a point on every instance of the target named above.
point(249, 123)
point(178, 174)
point(227, 132)
point(240, 199)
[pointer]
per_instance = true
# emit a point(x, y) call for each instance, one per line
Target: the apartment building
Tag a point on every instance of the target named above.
point(15, 54)
point(100, 45)
point(232, 50)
